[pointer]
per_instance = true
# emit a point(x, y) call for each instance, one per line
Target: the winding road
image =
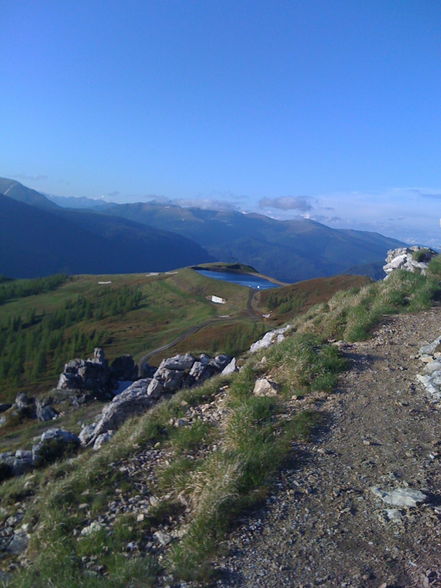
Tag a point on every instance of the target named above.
point(252, 313)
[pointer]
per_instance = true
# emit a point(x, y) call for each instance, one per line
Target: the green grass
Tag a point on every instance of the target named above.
point(295, 299)
point(255, 443)
point(176, 475)
point(188, 438)
point(305, 362)
point(352, 316)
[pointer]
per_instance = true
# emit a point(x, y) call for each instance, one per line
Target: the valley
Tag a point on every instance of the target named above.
point(141, 313)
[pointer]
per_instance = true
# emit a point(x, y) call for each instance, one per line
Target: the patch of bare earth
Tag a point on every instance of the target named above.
point(323, 525)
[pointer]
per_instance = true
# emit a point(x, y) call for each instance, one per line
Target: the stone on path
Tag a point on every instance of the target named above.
point(400, 496)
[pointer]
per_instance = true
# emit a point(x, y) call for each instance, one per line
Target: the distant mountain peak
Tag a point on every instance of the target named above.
point(16, 191)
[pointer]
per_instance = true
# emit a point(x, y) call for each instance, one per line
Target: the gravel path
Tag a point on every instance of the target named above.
point(323, 525)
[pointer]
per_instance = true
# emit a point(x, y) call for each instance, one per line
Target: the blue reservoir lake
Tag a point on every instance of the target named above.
point(242, 279)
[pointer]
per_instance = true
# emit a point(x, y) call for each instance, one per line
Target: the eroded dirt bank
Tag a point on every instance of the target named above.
point(323, 525)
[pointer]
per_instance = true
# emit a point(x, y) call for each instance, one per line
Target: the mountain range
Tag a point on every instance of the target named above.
point(39, 237)
point(289, 250)
point(38, 240)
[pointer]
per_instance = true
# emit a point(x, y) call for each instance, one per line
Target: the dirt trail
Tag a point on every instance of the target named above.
point(175, 341)
point(251, 311)
point(323, 526)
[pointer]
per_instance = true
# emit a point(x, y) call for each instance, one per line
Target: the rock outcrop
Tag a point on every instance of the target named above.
point(15, 463)
point(26, 407)
point(44, 410)
point(270, 338)
point(135, 400)
point(173, 373)
point(231, 368)
point(94, 377)
point(186, 370)
point(412, 259)
point(54, 444)
point(87, 374)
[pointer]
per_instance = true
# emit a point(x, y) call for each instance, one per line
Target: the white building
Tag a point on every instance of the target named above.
point(217, 299)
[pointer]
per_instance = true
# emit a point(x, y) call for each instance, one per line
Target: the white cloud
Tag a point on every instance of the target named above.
point(300, 203)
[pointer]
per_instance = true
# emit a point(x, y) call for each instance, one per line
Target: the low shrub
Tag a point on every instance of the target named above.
point(422, 255)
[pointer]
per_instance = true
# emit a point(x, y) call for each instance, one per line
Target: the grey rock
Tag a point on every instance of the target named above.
point(133, 401)
point(220, 361)
point(54, 444)
point(99, 357)
point(432, 384)
point(102, 439)
point(92, 374)
point(431, 347)
point(25, 406)
point(162, 538)
point(230, 368)
point(86, 434)
point(18, 544)
point(432, 367)
point(270, 338)
point(94, 527)
point(393, 515)
point(171, 380)
point(23, 462)
point(44, 411)
point(265, 387)
point(68, 381)
point(204, 358)
point(202, 371)
point(23, 401)
point(178, 362)
point(403, 258)
point(15, 464)
point(155, 389)
point(409, 497)
point(6, 465)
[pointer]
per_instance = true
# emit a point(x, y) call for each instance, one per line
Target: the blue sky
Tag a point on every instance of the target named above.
point(323, 108)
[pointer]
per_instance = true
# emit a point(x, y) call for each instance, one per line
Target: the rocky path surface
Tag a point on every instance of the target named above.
point(323, 526)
